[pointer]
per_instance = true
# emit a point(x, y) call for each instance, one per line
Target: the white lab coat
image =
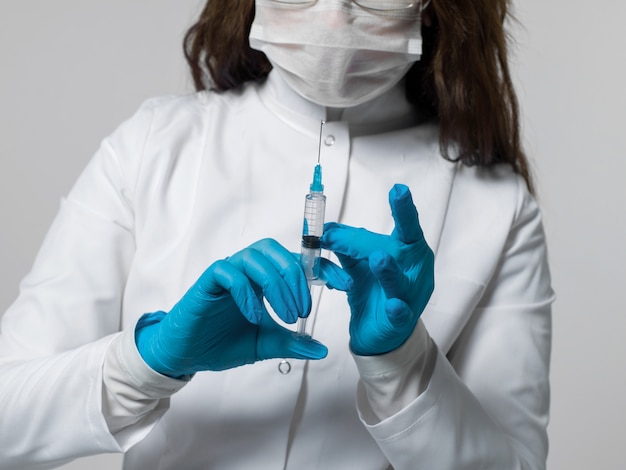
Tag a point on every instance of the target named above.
point(189, 180)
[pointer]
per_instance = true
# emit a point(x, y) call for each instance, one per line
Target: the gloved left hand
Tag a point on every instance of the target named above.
point(221, 322)
point(393, 276)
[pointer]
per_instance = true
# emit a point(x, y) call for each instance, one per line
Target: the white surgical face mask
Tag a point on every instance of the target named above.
point(336, 53)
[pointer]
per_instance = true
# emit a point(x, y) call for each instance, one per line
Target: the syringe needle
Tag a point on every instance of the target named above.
point(319, 145)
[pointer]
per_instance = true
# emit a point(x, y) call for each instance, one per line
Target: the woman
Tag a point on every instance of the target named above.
point(443, 339)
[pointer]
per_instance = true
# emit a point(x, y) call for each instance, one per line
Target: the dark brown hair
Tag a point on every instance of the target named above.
point(463, 76)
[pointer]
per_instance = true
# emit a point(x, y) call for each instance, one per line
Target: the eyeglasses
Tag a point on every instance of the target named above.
point(373, 5)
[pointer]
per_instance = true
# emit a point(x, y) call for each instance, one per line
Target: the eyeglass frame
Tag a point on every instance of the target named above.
point(308, 3)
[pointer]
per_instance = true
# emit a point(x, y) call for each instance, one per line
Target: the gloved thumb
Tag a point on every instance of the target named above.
point(282, 343)
point(407, 227)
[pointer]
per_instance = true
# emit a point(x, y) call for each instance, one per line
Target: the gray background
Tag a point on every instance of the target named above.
point(72, 70)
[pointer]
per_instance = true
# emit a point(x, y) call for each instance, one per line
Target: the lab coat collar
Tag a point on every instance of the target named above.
point(388, 112)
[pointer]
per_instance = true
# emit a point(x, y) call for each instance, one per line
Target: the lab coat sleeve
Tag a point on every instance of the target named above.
point(390, 382)
point(486, 402)
point(56, 335)
point(135, 396)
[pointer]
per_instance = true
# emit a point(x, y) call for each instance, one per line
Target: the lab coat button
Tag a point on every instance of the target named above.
point(329, 141)
point(284, 367)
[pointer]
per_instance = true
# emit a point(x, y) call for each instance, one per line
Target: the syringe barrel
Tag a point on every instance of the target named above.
point(313, 227)
point(314, 208)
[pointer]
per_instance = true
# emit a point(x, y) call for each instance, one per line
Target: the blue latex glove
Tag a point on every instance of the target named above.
point(221, 322)
point(393, 276)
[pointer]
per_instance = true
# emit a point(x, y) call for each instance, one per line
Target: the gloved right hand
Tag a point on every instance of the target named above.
point(393, 276)
point(221, 322)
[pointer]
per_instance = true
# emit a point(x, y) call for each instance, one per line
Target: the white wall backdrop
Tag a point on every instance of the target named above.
point(70, 71)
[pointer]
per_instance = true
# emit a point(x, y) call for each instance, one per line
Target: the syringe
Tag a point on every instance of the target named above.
point(313, 227)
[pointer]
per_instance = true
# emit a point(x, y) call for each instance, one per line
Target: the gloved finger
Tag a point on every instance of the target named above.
point(351, 242)
point(334, 276)
point(391, 329)
point(407, 227)
point(262, 272)
point(399, 313)
point(274, 341)
point(289, 268)
point(218, 280)
point(389, 274)
point(346, 262)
